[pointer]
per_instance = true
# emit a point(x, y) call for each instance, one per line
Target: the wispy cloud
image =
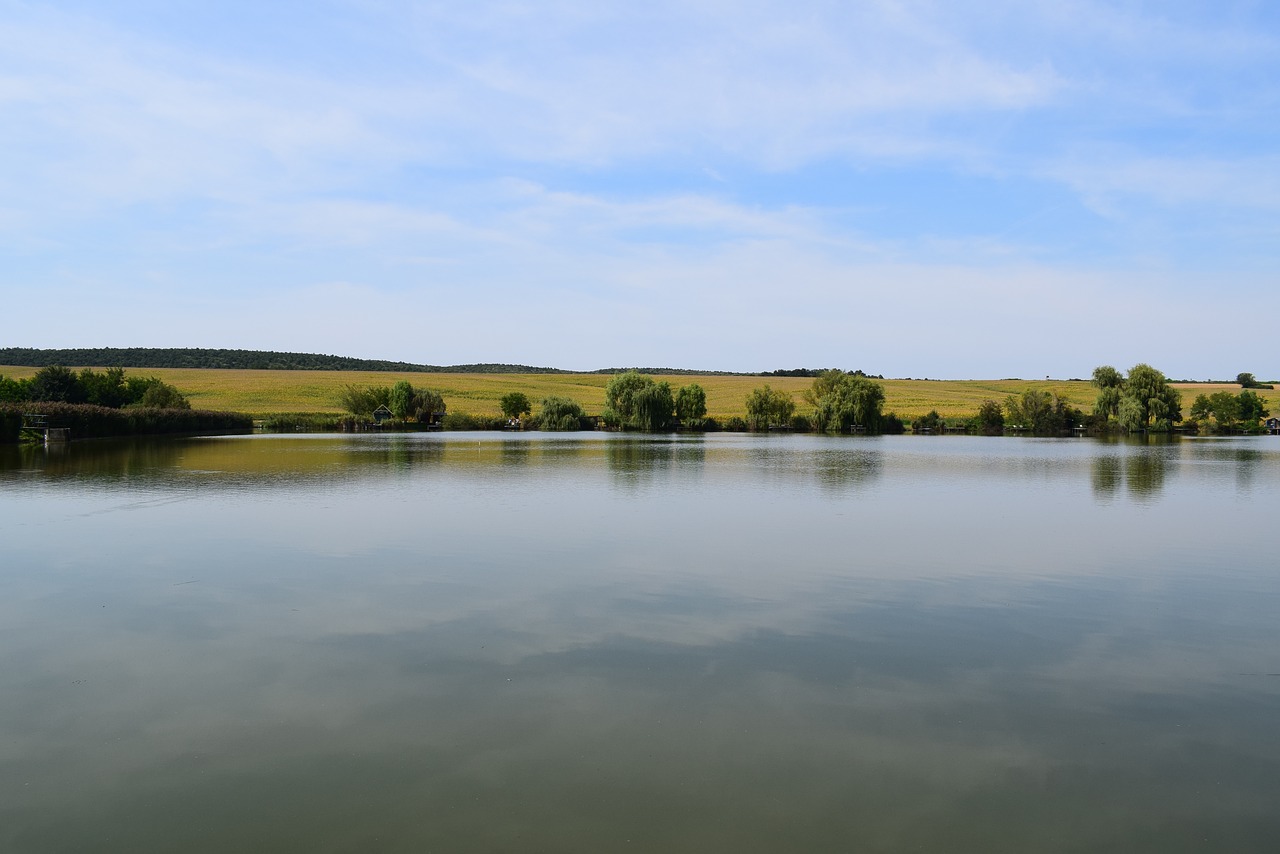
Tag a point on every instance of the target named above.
point(758, 182)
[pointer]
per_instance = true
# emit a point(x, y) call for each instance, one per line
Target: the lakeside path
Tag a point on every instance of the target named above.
point(261, 393)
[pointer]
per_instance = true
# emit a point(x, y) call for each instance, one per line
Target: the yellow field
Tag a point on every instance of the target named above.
point(265, 392)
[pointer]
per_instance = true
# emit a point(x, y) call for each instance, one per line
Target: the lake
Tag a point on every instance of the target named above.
point(592, 642)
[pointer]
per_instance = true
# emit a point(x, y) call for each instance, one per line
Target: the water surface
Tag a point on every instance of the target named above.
point(496, 642)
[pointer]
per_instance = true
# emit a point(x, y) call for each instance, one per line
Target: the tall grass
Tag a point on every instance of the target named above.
point(97, 422)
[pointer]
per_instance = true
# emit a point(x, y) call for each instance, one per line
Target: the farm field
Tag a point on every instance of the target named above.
point(262, 393)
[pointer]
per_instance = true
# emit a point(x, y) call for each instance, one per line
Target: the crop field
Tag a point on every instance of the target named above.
point(260, 393)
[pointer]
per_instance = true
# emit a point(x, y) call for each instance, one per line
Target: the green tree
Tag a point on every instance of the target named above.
point(768, 408)
point(1201, 408)
point(1252, 408)
point(515, 404)
point(57, 384)
point(619, 396)
point(691, 404)
point(653, 407)
point(1041, 413)
point(990, 419)
point(13, 391)
point(1110, 384)
point(161, 395)
point(1148, 402)
point(843, 401)
point(427, 406)
point(105, 389)
point(634, 401)
point(560, 414)
point(400, 400)
point(1226, 410)
point(1246, 380)
point(361, 401)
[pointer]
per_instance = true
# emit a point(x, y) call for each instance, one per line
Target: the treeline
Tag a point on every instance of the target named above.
point(272, 360)
point(155, 357)
point(103, 404)
point(110, 389)
point(99, 422)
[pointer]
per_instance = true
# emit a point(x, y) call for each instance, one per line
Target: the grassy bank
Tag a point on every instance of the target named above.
point(264, 393)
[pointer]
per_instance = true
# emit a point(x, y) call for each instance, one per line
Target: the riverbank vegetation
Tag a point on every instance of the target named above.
point(87, 421)
point(110, 389)
point(303, 397)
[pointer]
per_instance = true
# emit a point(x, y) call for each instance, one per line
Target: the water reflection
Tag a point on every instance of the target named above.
point(479, 643)
point(1144, 474)
point(842, 469)
point(637, 462)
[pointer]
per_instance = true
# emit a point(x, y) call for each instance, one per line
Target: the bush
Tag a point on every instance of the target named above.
point(801, 424)
point(467, 421)
point(303, 422)
point(95, 422)
point(735, 425)
point(560, 414)
point(892, 425)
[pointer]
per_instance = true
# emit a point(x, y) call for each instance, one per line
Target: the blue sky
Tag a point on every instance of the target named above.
point(911, 188)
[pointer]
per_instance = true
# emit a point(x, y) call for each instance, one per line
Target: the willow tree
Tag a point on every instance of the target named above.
point(768, 408)
point(637, 402)
point(1148, 402)
point(1110, 384)
point(844, 401)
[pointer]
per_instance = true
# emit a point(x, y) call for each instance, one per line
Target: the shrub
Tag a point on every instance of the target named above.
point(560, 414)
point(94, 422)
point(467, 421)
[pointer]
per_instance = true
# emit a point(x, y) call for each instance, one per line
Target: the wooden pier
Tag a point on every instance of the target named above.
point(35, 428)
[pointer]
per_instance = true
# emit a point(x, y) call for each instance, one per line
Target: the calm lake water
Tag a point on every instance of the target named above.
point(594, 643)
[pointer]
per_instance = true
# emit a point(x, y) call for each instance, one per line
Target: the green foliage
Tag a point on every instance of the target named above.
point(93, 422)
point(13, 391)
point(1247, 381)
point(362, 401)
point(515, 404)
point(106, 389)
point(560, 414)
point(1229, 412)
point(653, 408)
point(400, 399)
point(843, 402)
point(161, 395)
point(1041, 413)
point(931, 422)
point(738, 425)
point(404, 401)
point(691, 403)
point(304, 422)
point(636, 402)
point(1142, 401)
point(1252, 408)
point(454, 421)
point(1153, 403)
point(186, 357)
point(56, 384)
point(427, 406)
point(1110, 384)
point(990, 419)
point(110, 389)
point(768, 408)
point(892, 425)
point(1201, 408)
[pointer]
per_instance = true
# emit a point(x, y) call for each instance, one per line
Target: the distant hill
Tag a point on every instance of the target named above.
point(154, 357)
point(185, 357)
